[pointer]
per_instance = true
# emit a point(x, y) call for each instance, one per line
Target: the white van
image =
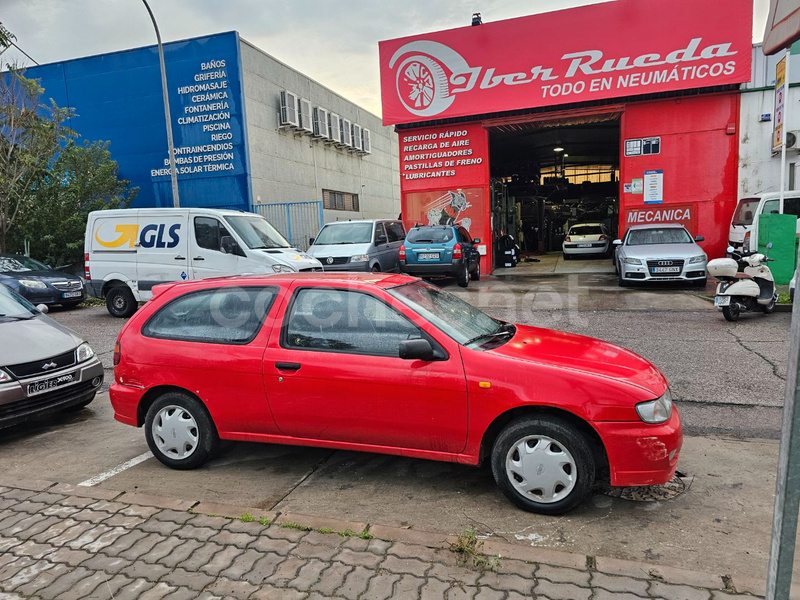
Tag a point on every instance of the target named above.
point(743, 233)
point(129, 251)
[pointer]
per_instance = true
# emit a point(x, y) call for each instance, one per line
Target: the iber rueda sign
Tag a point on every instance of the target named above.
point(608, 50)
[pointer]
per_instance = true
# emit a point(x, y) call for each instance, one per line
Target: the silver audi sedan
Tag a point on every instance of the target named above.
point(666, 252)
point(44, 367)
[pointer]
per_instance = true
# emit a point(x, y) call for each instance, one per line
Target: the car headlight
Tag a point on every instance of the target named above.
point(32, 283)
point(697, 259)
point(85, 352)
point(4, 377)
point(359, 258)
point(282, 269)
point(656, 411)
point(631, 261)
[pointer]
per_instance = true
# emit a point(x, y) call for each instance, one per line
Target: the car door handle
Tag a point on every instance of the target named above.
point(179, 257)
point(287, 366)
point(198, 258)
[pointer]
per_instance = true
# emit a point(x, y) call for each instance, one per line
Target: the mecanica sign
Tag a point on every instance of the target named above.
point(608, 50)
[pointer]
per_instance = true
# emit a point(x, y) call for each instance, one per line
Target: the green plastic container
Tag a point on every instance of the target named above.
point(781, 230)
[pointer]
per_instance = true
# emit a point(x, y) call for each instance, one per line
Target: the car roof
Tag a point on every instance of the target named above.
point(657, 226)
point(343, 278)
point(355, 221)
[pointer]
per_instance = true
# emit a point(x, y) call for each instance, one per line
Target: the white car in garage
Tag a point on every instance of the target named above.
point(586, 239)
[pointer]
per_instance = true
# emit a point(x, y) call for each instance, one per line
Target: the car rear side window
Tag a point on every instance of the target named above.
point(430, 235)
point(231, 315)
point(395, 231)
point(345, 321)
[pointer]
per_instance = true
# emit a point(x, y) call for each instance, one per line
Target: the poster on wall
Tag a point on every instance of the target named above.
point(654, 186)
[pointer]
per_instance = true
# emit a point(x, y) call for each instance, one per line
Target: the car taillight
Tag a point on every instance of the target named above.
point(402, 252)
point(86, 274)
point(117, 354)
point(457, 251)
point(568, 239)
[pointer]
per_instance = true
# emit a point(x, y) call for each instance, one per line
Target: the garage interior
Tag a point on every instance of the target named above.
point(547, 175)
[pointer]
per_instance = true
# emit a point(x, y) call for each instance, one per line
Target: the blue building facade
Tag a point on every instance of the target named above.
point(118, 97)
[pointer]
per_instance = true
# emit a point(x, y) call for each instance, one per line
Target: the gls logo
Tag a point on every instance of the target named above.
point(152, 236)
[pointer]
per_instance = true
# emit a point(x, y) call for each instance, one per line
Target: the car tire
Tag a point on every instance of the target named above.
point(376, 269)
point(463, 276)
point(120, 302)
point(731, 313)
point(560, 465)
point(193, 436)
point(476, 273)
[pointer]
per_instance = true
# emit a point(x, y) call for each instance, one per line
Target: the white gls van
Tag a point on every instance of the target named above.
point(743, 234)
point(129, 251)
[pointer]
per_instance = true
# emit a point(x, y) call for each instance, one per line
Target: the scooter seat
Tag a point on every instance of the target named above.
point(741, 275)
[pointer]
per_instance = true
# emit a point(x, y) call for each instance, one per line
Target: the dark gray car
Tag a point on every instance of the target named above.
point(44, 367)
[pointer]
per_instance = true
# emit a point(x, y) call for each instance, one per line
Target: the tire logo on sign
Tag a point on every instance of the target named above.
point(422, 81)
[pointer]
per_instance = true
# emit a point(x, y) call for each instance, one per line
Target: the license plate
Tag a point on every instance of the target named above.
point(72, 294)
point(665, 270)
point(39, 387)
point(722, 301)
point(429, 256)
point(584, 245)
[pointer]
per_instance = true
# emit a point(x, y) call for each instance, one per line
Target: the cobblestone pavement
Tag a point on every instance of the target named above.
point(66, 542)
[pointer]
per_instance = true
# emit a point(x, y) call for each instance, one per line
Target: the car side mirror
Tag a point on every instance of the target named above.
point(617, 242)
point(381, 239)
point(699, 238)
point(311, 241)
point(417, 349)
point(42, 308)
point(476, 241)
point(229, 246)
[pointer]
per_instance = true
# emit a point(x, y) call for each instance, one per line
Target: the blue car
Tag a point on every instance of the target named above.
point(441, 251)
point(39, 283)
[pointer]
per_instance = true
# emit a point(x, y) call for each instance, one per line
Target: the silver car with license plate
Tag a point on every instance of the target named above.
point(44, 367)
point(651, 253)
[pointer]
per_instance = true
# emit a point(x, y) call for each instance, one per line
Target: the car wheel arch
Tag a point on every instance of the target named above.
point(154, 393)
point(112, 283)
point(521, 412)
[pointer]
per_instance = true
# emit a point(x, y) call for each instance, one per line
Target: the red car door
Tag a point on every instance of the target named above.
point(334, 374)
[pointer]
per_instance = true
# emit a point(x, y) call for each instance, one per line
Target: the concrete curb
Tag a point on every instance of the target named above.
point(725, 583)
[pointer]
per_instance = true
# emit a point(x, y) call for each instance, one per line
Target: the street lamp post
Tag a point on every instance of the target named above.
point(172, 171)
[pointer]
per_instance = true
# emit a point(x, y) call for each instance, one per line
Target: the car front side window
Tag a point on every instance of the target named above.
point(209, 233)
point(345, 321)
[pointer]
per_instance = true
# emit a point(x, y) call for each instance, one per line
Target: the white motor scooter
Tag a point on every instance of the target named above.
point(750, 290)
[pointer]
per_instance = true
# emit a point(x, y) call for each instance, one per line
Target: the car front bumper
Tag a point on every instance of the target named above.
point(49, 295)
point(639, 453)
point(641, 273)
point(16, 405)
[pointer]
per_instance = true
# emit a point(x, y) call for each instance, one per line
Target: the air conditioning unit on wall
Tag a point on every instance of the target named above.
point(366, 141)
point(347, 133)
point(320, 122)
point(356, 137)
point(793, 140)
point(334, 129)
point(306, 124)
point(289, 116)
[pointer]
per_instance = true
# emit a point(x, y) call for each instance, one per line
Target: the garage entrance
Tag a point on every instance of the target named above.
point(548, 174)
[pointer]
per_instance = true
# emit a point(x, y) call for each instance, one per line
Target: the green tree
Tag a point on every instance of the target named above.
point(31, 133)
point(83, 178)
point(6, 37)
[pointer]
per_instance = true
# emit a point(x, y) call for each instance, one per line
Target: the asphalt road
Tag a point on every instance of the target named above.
point(727, 378)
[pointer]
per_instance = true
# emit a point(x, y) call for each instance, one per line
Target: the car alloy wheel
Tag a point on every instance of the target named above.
point(543, 465)
point(179, 431)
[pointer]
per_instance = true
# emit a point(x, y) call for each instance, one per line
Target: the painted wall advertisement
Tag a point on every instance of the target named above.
point(564, 57)
point(118, 97)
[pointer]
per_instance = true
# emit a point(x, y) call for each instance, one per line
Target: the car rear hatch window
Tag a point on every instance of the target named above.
point(586, 230)
point(430, 235)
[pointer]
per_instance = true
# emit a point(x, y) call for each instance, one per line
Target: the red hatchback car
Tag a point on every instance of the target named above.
point(391, 364)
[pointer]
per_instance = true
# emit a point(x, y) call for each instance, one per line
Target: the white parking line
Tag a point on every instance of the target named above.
point(116, 470)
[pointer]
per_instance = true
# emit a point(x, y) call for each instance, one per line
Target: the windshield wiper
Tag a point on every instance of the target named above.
point(16, 317)
point(504, 329)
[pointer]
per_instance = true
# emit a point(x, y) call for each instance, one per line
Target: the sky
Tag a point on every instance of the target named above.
point(335, 42)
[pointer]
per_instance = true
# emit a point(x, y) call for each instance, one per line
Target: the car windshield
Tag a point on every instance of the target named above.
point(257, 232)
point(661, 235)
point(19, 264)
point(586, 230)
point(345, 233)
point(13, 306)
point(745, 211)
point(461, 321)
point(429, 235)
